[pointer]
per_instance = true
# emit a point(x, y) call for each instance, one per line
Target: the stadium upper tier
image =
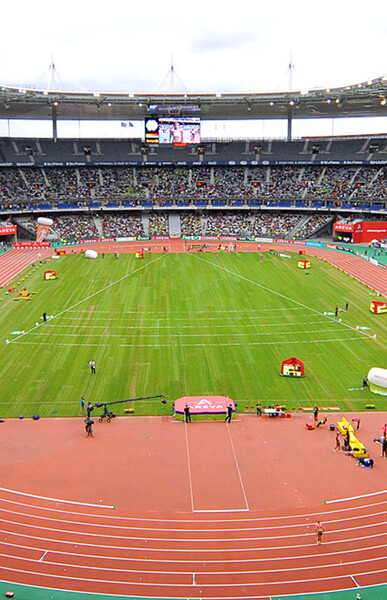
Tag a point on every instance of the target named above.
point(18, 151)
point(295, 186)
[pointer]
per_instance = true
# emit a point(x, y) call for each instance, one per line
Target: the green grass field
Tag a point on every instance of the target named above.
point(180, 324)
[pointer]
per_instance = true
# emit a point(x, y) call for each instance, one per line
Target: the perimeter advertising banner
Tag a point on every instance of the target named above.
point(96, 240)
point(204, 405)
point(8, 230)
point(360, 232)
point(31, 244)
point(366, 231)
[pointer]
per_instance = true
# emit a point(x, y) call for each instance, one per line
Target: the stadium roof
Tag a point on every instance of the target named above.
point(362, 99)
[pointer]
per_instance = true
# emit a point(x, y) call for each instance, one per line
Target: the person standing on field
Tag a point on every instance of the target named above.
point(319, 531)
point(229, 413)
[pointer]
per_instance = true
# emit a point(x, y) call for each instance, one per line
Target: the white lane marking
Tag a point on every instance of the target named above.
point(55, 499)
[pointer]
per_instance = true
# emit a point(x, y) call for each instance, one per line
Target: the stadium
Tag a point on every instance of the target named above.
point(178, 271)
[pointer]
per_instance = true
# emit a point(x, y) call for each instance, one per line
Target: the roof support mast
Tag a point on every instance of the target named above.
point(54, 123)
point(52, 86)
point(290, 109)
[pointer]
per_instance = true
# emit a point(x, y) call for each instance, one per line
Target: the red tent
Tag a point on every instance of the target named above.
point(292, 367)
point(378, 308)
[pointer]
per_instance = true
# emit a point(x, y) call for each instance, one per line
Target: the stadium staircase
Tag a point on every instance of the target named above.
point(297, 227)
point(98, 225)
point(323, 229)
point(174, 226)
point(145, 224)
point(26, 227)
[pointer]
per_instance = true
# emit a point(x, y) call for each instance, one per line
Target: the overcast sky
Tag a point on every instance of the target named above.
point(214, 46)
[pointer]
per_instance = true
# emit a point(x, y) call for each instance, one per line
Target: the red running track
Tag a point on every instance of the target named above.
point(16, 260)
point(183, 556)
point(157, 552)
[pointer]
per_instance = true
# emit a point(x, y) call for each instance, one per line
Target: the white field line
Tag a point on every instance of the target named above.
point(237, 468)
point(110, 517)
point(189, 467)
point(229, 529)
point(204, 541)
point(193, 345)
point(90, 567)
point(149, 585)
point(350, 498)
point(171, 316)
point(235, 323)
point(209, 561)
point(34, 537)
point(106, 287)
point(191, 312)
point(267, 289)
point(185, 335)
point(55, 499)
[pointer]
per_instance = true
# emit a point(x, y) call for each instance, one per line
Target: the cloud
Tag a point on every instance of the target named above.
point(225, 40)
point(125, 46)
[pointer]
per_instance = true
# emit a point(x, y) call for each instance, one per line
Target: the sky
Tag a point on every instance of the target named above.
point(216, 46)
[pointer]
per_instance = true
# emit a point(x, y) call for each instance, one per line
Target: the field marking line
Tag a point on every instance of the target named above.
point(55, 499)
point(250, 528)
point(112, 517)
point(354, 580)
point(193, 345)
point(237, 467)
point(156, 322)
point(189, 468)
point(191, 312)
point(157, 326)
point(130, 559)
point(186, 585)
point(190, 335)
point(223, 510)
point(220, 510)
point(263, 287)
point(106, 287)
point(355, 497)
point(171, 572)
point(111, 538)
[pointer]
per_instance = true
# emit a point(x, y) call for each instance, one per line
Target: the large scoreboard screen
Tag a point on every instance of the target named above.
point(179, 131)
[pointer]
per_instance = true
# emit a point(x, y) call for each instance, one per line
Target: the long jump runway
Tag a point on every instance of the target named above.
point(156, 508)
point(213, 469)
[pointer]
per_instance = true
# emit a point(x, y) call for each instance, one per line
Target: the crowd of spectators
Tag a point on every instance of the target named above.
point(266, 224)
point(128, 225)
point(227, 224)
point(158, 224)
point(219, 223)
point(314, 223)
point(52, 184)
point(74, 227)
point(191, 224)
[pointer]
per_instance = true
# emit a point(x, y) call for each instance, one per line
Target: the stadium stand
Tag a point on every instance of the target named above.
point(240, 188)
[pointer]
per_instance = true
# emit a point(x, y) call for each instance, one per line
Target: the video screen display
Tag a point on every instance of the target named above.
point(172, 130)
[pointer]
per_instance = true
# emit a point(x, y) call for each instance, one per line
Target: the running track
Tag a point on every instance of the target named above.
point(15, 260)
point(230, 555)
point(226, 555)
